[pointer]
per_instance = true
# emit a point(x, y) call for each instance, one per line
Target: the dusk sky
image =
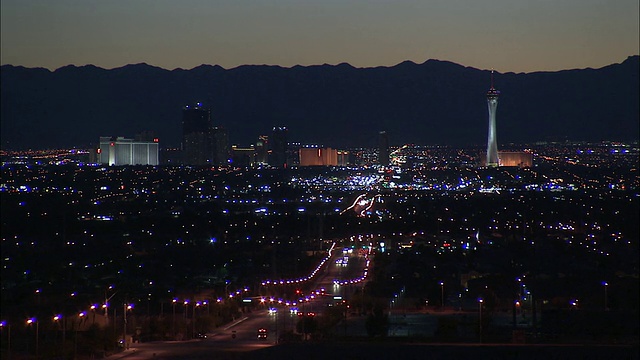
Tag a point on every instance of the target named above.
point(507, 35)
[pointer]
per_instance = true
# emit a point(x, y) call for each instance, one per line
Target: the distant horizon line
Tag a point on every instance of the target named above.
point(410, 62)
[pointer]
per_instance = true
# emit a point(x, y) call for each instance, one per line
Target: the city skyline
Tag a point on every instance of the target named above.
point(228, 179)
point(434, 102)
point(501, 35)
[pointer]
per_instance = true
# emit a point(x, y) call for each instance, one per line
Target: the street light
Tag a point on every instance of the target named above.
point(93, 310)
point(75, 345)
point(4, 324)
point(574, 304)
point(480, 301)
point(605, 284)
point(124, 331)
point(173, 304)
point(105, 306)
point(57, 319)
point(30, 322)
point(193, 319)
point(276, 339)
point(442, 293)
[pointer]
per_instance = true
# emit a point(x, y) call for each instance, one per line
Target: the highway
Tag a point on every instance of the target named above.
point(221, 343)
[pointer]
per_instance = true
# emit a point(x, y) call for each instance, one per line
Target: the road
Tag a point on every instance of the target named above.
point(221, 344)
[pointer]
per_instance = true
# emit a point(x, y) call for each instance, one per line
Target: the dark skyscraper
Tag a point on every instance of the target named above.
point(278, 146)
point(196, 125)
point(195, 119)
point(383, 148)
point(219, 139)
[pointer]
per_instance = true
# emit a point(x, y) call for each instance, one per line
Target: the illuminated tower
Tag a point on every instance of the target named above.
point(492, 143)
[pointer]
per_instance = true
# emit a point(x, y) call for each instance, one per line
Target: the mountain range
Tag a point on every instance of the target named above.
point(436, 102)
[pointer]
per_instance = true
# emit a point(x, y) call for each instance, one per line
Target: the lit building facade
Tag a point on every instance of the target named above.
point(492, 141)
point(521, 159)
point(515, 158)
point(118, 151)
point(316, 156)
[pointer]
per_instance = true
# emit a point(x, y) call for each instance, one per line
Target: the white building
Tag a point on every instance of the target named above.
point(121, 151)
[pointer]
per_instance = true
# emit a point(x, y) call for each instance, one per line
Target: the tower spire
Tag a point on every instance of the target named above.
point(491, 79)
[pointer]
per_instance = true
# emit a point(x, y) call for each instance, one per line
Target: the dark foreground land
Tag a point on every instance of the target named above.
point(414, 351)
point(405, 351)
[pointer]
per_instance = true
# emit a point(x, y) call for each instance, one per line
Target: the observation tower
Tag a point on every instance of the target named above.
point(492, 143)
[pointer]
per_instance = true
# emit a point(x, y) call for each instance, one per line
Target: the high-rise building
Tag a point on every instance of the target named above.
point(196, 124)
point(492, 143)
point(219, 145)
point(120, 151)
point(278, 146)
point(383, 148)
point(262, 150)
point(195, 119)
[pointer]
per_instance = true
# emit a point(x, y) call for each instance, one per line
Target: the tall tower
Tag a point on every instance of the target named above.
point(492, 143)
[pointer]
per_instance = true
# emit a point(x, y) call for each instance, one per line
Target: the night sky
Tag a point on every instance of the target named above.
point(506, 35)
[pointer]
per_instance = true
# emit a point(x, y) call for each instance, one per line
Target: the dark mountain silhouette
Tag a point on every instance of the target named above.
point(436, 102)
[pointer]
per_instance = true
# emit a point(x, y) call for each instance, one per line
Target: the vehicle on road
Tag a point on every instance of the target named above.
point(262, 333)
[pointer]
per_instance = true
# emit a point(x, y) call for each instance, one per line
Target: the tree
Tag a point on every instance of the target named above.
point(307, 325)
point(377, 324)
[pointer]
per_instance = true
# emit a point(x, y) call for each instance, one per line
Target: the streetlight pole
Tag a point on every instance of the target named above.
point(30, 322)
point(57, 319)
point(442, 294)
point(605, 284)
point(186, 309)
point(105, 306)
point(93, 311)
point(173, 303)
point(480, 301)
point(75, 345)
point(37, 340)
point(4, 324)
point(124, 330)
point(193, 319)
